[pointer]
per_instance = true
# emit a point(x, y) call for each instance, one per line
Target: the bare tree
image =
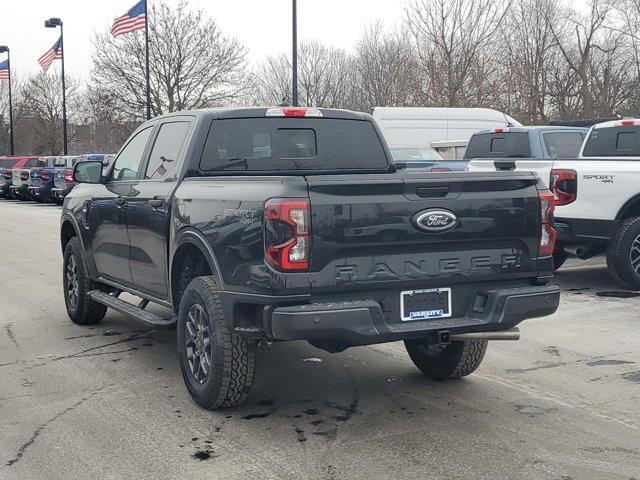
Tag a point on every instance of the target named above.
point(579, 37)
point(454, 40)
point(103, 127)
point(40, 108)
point(4, 117)
point(528, 59)
point(193, 64)
point(384, 69)
point(323, 77)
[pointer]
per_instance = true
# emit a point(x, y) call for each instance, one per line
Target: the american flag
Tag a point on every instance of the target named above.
point(4, 70)
point(54, 53)
point(134, 19)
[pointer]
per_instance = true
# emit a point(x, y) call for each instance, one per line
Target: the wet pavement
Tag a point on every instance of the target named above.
point(108, 401)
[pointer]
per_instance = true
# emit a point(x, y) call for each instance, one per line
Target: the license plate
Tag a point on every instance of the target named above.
point(425, 304)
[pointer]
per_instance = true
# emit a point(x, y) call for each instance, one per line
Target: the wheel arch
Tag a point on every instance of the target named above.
point(191, 256)
point(630, 209)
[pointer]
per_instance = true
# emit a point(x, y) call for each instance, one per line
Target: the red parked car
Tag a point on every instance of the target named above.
point(6, 164)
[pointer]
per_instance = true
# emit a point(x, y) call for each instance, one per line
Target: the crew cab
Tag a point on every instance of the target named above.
point(597, 196)
point(525, 142)
point(244, 222)
point(6, 173)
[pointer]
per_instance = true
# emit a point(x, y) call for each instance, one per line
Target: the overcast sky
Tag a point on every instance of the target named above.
point(264, 26)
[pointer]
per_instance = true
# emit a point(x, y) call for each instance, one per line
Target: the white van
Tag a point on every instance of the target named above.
point(418, 127)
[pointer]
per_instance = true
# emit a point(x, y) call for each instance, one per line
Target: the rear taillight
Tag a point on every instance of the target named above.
point(500, 130)
point(46, 175)
point(564, 185)
point(68, 176)
point(24, 176)
point(7, 175)
point(287, 234)
point(547, 232)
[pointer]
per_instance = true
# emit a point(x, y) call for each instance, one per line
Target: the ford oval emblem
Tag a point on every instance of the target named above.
point(435, 220)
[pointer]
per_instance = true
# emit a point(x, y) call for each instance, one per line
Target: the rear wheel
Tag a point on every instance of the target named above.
point(76, 282)
point(217, 365)
point(443, 362)
point(623, 253)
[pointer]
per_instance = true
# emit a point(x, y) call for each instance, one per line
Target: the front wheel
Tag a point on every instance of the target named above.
point(623, 253)
point(443, 362)
point(217, 365)
point(76, 282)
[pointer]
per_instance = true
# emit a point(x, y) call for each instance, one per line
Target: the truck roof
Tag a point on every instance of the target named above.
point(628, 122)
point(533, 128)
point(261, 112)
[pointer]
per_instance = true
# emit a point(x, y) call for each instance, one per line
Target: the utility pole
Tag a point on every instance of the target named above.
point(294, 90)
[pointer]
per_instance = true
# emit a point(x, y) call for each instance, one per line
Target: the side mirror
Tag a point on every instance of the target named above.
point(88, 172)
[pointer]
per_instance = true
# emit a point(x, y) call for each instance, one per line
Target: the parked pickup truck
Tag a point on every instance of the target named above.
point(43, 178)
point(526, 142)
point(64, 174)
point(597, 196)
point(242, 222)
point(7, 164)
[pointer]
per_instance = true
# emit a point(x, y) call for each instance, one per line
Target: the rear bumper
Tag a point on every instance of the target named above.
point(5, 188)
point(43, 191)
point(20, 190)
point(60, 192)
point(362, 322)
point(585, 231)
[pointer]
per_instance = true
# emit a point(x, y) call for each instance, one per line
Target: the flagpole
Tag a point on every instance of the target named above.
point(10, 106)
point(64, 95)
point(146, 39)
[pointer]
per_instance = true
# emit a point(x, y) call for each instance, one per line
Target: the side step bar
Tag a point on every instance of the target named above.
point(132, 311)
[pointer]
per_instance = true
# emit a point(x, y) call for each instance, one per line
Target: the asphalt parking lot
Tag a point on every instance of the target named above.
point(109, 402)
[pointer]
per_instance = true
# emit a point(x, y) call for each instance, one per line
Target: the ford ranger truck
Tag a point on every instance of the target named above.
point(597, 196)
point(270, 224)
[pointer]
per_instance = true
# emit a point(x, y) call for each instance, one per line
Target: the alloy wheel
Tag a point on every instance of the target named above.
point(634, 255)
point(72, 281)
point(198, 343)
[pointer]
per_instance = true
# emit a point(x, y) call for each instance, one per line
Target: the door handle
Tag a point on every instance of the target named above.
point(121, 201)
point(156, 202)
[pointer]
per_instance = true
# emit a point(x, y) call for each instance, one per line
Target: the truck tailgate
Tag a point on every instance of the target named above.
point(365, 230)
point(540, 166)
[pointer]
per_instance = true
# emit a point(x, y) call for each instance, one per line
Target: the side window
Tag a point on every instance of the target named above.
point(563, 144)
point(163, 161)
point(128, 162)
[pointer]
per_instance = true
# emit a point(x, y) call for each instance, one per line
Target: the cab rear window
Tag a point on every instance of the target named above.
point(505, 145)
point(277, 144)
point(622, 141)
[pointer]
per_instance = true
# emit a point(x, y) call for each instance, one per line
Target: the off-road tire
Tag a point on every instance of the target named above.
point(455, 360)
point(232, 357)
point(559, 257)
point(86, 311)
point(619, 253)
point(57, 201)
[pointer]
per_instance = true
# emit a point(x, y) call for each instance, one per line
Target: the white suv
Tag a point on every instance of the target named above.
point(597, 196)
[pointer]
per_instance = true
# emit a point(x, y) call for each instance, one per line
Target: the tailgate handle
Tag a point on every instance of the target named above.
point(432, 192)
point(507, 166)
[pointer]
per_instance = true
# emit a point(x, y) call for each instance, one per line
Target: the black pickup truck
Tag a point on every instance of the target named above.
point(267, 224)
